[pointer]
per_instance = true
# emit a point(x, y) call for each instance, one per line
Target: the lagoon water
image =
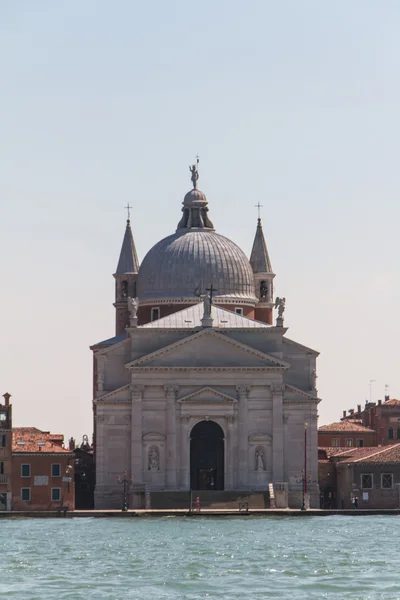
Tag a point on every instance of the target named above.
point(194, 558)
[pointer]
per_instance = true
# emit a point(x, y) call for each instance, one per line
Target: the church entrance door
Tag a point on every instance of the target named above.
point(207, 456)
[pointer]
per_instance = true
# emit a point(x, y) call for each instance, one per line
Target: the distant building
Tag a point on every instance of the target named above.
point(5, 453)
point(200, 389)
point(42, 471)
point(346, 434)
point(84, 477)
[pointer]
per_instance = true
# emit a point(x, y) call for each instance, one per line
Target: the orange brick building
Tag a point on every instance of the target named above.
point(346, 434)
point(42, 471)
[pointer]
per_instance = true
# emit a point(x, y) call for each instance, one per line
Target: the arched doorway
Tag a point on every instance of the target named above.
point(207, 456)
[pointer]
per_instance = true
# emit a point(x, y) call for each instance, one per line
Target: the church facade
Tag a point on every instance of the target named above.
point(199, 389)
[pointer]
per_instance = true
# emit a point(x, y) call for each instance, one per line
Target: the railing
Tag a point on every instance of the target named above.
point(3, 479)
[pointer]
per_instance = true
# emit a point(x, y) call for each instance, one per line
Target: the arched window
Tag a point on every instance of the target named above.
point(263, 289)
point(124, 289)
point(390, 433)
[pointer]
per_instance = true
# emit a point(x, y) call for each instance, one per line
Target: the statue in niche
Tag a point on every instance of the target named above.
point(132, 307)
point(207, 305)
point(260, 459)
point(280, 304)
point(263, 289)
point(154, 459)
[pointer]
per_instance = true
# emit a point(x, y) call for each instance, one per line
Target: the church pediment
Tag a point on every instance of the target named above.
point(207, 395)
point(209, 348)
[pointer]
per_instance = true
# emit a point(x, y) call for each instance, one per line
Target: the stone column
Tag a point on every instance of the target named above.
point(185, 452)
point(137, 434)
point(277, 432)
point(171, 466)
point(243, 394)
point(229, 452)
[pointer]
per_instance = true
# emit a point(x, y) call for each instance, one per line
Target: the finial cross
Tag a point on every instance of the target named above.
point(128, 208)
point(211, 289)
point(259, 206)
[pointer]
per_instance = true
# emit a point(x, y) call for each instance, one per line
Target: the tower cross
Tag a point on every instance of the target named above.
point(259, 206)
point(211, 289)
point(128, 208)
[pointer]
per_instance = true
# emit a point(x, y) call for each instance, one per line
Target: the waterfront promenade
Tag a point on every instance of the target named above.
point(207, 512)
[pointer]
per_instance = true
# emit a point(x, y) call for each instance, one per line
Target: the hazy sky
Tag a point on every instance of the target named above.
point(291, 103)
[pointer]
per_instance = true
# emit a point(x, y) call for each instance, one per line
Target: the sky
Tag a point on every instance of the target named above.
point(290, 104)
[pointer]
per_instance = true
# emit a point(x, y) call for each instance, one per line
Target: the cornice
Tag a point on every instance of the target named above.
point(217, 301)
point(111, 393)
point(199, 369)
point(295, 390)
point(209, 390)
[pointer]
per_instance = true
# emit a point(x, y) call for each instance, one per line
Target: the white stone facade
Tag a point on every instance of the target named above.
point(155, 385)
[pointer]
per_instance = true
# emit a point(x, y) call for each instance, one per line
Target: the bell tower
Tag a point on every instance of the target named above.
point(263, 276)
point(125, 278)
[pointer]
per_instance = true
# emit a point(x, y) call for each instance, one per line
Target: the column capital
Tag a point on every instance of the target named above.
point(243, 391)
point(230, 419)
point(171, 391)
point(137, 391)
point(278, 389)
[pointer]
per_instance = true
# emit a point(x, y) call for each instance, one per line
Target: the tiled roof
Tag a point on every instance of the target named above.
point(191, 317)
point(392, 402)
point(344, 426)
point(380, 454)
point(27, 439)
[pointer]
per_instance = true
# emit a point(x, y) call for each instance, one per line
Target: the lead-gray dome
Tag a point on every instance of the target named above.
point(184, 264)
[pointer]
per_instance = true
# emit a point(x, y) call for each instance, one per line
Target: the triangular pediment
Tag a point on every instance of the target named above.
point(207, 395)
point(208, 348)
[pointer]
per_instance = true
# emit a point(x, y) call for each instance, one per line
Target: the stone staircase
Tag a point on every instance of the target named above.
point(208, 499)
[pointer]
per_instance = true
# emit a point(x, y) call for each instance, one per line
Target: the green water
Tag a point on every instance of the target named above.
point(193, 558)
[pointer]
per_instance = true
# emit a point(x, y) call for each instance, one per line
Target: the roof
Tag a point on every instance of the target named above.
point(111, 341)
point(128, 259)
point(259, 258)
point(393, 402)
point(32, 440)
point(344, 426)
point(189, 318)
point(377, 454)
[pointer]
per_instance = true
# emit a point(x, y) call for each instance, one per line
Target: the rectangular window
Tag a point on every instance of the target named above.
point(155, 314)
point(335, 443)
point(239, 311)
point(3, 440)
point(387, 481)
point(56, 470)
point(26, 494)
point(349, 443)
point(366, 481)
point(360, 443)
point(1, 468)
point(55, 494)
point(25, 470)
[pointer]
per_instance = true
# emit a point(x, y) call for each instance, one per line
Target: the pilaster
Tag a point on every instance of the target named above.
point(171, 439)
point(184, 452)
point(243, 394)
point(137, 433)
point(277, 428)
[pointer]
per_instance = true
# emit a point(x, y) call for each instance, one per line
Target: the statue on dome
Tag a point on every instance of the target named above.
point(207, 305)
point(280, 304)
point(195, 174)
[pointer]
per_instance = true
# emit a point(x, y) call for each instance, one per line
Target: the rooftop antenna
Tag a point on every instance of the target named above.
point(371, 381)
point(259, 206)
point(128, 208)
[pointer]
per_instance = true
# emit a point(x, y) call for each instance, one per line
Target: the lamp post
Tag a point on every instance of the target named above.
point(126, 482)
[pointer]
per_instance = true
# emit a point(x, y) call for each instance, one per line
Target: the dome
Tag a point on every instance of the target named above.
point(194, 196)
point(185, 264)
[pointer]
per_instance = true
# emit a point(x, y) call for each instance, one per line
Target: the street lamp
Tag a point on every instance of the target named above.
point(127, 482)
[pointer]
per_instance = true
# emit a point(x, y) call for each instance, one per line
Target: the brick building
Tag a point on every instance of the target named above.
point(348, 433)
point(42, 470)
point(5, 453)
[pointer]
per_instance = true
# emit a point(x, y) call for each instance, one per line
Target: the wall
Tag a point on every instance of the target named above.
point(41, 494)
point(349, 483)
point(325, 438)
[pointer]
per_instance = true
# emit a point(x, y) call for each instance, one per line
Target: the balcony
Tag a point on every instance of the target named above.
point(3, 479)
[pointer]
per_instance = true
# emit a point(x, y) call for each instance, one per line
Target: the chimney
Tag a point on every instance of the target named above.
point(351, 412)
point(344, 414)
point(358, 408)
point(379, 402)
point(387, 398)
point(7, 397)
point(71, 444)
